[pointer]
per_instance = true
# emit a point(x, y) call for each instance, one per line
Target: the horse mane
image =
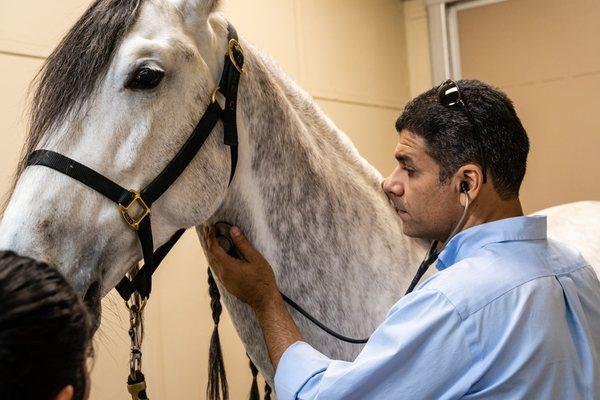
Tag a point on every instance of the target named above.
point(72, 71)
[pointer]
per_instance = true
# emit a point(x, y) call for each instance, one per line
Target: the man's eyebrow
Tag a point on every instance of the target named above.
point(403, 158)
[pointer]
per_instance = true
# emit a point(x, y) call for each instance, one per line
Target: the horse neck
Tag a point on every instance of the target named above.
point(302, 193)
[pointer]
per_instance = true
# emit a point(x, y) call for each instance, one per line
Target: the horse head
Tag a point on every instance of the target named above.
point(120, 94)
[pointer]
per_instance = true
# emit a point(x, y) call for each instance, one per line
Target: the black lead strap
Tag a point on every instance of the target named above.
point(128, 200)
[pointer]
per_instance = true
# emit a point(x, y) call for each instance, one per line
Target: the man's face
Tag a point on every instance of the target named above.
point(428, 209)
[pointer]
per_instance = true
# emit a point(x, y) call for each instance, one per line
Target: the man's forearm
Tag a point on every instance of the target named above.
point(278, 327)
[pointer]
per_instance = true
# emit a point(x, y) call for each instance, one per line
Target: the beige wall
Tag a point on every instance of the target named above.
point(417, 46)
point(349, 54)
point(545, 54)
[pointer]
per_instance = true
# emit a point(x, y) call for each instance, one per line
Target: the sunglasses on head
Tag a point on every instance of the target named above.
point(449, 96)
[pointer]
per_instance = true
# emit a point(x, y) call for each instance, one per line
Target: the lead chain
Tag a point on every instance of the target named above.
point(136, 382)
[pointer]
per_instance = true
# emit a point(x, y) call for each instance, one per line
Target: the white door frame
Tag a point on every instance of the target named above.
point(443, 36)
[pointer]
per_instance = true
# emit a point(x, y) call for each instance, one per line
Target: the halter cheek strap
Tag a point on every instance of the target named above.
point(136, 206)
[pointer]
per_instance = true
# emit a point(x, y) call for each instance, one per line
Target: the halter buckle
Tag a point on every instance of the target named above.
point(134, 220)
point(230, 46)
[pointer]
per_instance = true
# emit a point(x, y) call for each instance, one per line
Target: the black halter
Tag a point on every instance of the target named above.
point(127, 200)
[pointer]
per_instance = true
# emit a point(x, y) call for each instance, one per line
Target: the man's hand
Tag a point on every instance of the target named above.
point(251, 281)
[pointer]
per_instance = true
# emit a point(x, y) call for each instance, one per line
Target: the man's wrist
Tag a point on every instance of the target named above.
point(278, 327)
point(268, 303)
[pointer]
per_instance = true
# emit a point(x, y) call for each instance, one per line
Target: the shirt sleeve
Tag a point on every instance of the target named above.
point(419, 352)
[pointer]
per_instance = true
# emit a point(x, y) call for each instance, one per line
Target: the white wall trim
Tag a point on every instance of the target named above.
point(444, 37)
point(438, 42)
point(454, 44)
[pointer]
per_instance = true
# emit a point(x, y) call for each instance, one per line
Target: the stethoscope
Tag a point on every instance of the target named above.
point(433, 253)
point(222, 235)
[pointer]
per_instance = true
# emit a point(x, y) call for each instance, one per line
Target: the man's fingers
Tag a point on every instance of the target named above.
point(243, 245)
point(217, 256)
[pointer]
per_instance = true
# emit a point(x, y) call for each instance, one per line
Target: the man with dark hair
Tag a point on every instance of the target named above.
point(509, 315)
point(453, 140)
point(440, 131)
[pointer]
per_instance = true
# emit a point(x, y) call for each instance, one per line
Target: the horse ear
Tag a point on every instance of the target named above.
point(210, 6)
point(198, 7)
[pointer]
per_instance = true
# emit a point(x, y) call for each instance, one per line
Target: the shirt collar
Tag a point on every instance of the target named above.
point(509, 229)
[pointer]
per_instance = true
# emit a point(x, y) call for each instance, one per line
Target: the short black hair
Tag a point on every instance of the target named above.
point(44, 331)
point(450, 139)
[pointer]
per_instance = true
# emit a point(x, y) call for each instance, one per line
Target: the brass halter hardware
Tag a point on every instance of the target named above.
point(230, 46)
point(136, 390)
point(213, 96)
point(134, 220)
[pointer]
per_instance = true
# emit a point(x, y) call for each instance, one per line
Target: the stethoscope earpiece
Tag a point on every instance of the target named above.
point(464, 187)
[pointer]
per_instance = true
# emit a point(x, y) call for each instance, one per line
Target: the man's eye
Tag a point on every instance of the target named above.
point(408, 170)
point(145, 78)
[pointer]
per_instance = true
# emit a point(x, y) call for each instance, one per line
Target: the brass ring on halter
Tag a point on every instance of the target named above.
point(234, 43)
point(140, 306)
point(213, 96)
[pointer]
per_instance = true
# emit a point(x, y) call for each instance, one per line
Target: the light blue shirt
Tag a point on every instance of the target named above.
point(510, 315)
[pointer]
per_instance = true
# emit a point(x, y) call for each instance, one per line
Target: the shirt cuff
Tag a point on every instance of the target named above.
point(299, 363)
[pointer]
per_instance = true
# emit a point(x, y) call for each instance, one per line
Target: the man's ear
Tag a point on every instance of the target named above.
point(473, 176)
point(65, 394)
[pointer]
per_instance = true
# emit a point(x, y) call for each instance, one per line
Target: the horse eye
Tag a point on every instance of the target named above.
point(145, 78)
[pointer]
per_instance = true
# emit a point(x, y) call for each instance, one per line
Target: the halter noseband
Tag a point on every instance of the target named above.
point(130, 200)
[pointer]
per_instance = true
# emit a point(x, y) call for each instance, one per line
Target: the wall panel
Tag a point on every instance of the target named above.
point(417, 47)
point(354, 50)
point(370, 128)
point(546, 55)
point(34, 27)
point(15, 74)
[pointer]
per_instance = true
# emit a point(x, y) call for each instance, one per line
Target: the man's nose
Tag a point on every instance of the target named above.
point(385, 184)
point(392, 186)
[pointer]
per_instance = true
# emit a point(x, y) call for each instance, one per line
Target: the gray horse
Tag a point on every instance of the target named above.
point(302, 193)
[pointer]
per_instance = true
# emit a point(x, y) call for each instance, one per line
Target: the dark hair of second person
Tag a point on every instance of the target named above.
point(44, 333)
